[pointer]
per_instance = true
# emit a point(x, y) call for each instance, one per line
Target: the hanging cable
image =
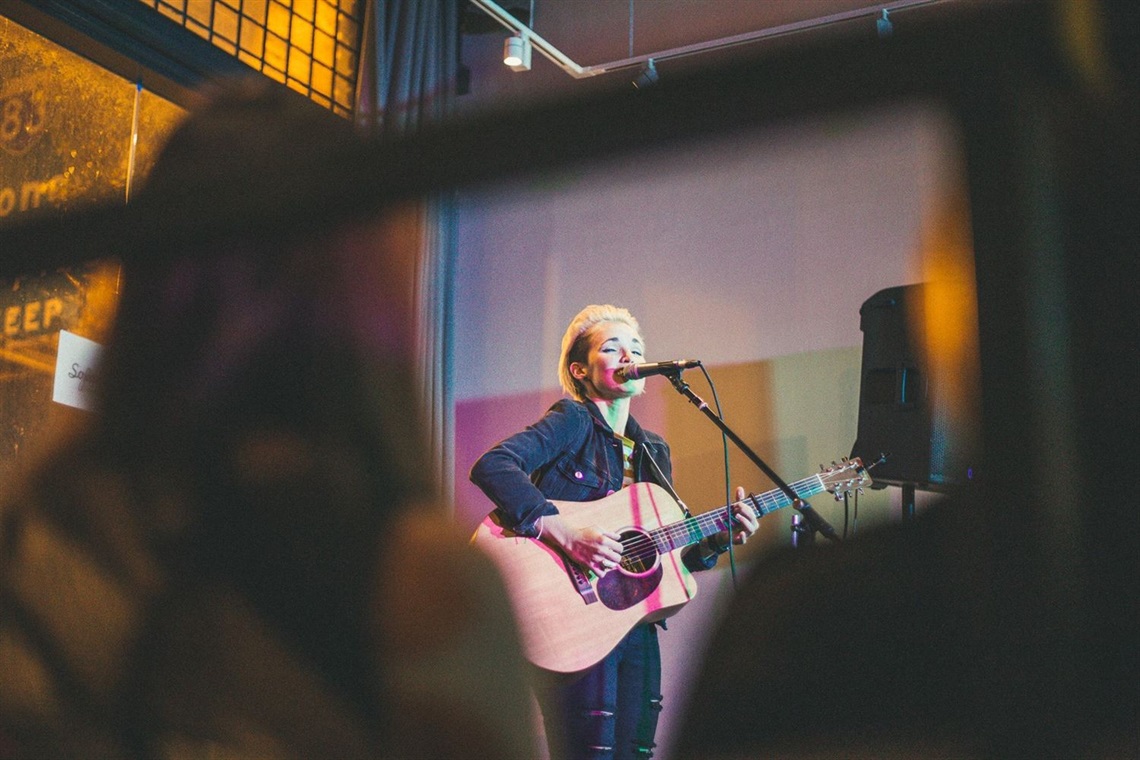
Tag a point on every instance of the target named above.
point(631, 28)
point(727, 475)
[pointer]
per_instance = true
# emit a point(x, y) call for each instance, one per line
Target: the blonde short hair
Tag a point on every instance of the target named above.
point(576, 346)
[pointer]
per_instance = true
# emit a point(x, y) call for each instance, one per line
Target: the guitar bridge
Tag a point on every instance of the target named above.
point(582, 583)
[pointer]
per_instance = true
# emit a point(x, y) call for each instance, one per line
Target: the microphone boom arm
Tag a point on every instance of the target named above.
point(813, 518)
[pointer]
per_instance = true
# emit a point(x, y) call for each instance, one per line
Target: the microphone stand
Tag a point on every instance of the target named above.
point(803, 536)
point(810, 520)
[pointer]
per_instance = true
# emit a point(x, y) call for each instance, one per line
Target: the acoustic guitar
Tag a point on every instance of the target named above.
point(569, 618)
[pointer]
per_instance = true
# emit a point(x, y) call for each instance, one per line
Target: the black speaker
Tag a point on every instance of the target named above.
point(898, 414)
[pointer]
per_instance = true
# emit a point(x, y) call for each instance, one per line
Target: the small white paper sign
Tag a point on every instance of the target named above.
point(76, 371)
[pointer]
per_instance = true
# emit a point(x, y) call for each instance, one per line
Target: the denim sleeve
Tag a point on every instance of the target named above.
point(693, 560)
point(504, 471)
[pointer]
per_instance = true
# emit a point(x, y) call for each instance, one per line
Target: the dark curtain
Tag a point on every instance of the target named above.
point(408, 69)
point(409, 62)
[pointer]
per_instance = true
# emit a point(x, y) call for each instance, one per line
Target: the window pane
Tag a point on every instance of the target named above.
point(67, 138)
point(325, 31)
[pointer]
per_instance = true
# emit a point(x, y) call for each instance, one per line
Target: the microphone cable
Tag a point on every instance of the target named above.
point(854, 512)
point(727, 475)
point(845, 514)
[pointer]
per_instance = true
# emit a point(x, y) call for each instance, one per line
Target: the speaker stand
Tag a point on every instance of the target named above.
point(907, 502)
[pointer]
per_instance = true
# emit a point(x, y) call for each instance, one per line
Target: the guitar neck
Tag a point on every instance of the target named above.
point(691, 530)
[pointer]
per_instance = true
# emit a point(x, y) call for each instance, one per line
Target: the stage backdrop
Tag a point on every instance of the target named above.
point(753, 255)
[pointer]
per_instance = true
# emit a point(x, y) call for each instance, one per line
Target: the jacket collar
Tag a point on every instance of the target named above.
point(632, 430)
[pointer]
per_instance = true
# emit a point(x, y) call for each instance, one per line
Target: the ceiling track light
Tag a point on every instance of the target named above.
point(881, 12)
point(884, 25)
point(648, 76)
point(516, 52)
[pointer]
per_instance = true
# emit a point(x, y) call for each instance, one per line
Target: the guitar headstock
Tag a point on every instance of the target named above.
point(844, 477)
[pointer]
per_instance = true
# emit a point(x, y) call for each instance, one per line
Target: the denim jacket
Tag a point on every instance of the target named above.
point(571, 454)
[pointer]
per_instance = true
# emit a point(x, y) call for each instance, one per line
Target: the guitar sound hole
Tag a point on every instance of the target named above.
point(639, 555)
point(638, 575)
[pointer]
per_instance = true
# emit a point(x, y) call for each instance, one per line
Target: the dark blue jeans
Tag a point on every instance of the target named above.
point(611, 711)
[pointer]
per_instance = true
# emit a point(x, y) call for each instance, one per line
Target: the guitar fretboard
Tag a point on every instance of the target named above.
point(682, 533)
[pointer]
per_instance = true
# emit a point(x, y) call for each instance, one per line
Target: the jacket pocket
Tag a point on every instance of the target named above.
point(570, 480)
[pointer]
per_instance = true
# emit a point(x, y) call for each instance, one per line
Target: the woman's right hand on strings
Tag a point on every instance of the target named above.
point(591, 547)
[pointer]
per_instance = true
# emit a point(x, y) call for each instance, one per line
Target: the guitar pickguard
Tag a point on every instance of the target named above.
point(619, 591)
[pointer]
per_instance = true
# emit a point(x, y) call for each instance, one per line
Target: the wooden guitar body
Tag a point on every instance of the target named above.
point(562, 631)
point(570, 619)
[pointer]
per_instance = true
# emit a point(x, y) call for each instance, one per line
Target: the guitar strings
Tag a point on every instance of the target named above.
point(644, 547)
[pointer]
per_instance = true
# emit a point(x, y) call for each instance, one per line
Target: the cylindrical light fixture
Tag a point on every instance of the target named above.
point(647, 77)
point(516, 53)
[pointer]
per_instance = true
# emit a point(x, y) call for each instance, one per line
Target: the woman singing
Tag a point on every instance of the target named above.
point(585, 448)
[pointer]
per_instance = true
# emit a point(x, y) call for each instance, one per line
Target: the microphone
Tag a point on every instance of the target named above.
point(638, 371)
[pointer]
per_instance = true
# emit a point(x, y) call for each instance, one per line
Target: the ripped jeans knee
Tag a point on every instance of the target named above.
point(598, 733)
point(601, 736)
point(612, 710)
point(643, 744)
